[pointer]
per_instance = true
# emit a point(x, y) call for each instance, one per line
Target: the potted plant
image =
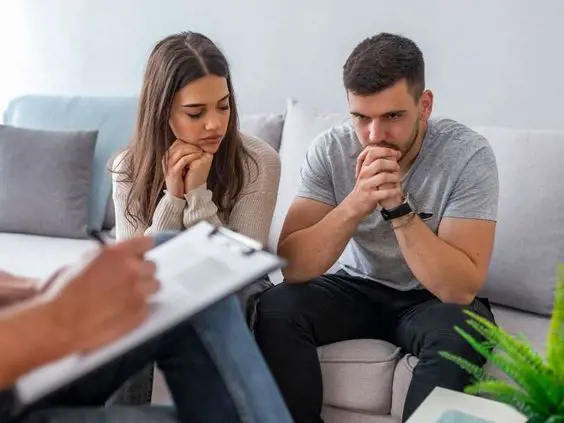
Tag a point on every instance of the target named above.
point(536, 388)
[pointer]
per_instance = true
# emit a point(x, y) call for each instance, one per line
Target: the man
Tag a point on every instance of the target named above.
point(407, 205)
point(212, 367)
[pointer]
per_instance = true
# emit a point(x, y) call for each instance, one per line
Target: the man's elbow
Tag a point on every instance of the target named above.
point(459, 298)
point(462, 295)
point(296, 274)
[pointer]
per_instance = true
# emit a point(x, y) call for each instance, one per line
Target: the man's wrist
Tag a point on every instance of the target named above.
point(402, 221)
point(349, 212)
point(392, 203)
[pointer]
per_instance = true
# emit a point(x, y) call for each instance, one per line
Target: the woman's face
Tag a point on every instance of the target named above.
point(200, 112)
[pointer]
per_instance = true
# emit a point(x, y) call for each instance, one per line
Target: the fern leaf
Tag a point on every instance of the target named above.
point(477, 372)
point(531, 364)
point(519, 374)
point(518, 350)
point(555, 338)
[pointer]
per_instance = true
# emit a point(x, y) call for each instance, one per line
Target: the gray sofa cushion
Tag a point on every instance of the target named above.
point(530, 231)
point(45, 180)
point(532, 326)
point(358, 374)
point(337, 415)
point(267, 127)
point(402, 378)
point(366, 378)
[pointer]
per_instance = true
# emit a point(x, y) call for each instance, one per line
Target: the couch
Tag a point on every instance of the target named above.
point(365, 381)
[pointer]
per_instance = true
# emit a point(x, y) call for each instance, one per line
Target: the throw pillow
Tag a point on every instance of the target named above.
point(529, 240)
point(267, 127)
point(45, 180)
point(112, 117)
point(301, 126)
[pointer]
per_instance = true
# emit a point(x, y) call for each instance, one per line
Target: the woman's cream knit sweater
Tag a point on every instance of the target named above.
point(251, 216)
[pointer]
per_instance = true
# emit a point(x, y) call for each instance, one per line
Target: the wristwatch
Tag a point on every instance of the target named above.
point(403, 209)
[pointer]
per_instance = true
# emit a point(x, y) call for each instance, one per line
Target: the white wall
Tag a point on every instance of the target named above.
point(488, 61)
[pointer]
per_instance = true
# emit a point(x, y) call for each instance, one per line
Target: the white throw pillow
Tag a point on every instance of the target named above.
point(301, 126)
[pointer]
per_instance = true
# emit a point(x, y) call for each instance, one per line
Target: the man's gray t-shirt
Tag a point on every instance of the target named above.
point(454, 175)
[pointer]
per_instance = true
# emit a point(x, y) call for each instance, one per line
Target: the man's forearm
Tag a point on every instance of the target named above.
point(312, 251)
point(29, 338)
point(443, 269)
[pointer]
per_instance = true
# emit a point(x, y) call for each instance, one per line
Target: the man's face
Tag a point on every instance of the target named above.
point(391, 118)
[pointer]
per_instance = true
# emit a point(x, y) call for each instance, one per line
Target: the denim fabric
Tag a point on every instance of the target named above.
point(212, 367)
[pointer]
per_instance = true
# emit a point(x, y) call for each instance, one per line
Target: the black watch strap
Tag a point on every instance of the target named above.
point(399, 211)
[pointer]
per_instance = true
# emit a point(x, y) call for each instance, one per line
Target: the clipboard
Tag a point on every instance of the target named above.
point(196, 268)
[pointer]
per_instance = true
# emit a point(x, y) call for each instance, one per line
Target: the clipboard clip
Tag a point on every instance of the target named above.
point(243, 244)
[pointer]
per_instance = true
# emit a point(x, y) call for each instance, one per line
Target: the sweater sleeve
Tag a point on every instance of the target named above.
point(254, 209)
point(199, 206)
point(167, 216)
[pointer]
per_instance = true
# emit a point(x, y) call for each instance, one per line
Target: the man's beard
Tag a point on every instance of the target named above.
point(406, 146)
point(412, 139)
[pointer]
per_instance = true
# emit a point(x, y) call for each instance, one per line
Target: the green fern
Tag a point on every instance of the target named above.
point(555, 346)
point(537, 390)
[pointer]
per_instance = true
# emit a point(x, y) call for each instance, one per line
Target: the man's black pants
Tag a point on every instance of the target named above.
point(294, 319)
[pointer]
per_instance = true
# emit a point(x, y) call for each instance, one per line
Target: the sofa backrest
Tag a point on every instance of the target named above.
point(529, 240)
point(530, 232)
point(114, 119)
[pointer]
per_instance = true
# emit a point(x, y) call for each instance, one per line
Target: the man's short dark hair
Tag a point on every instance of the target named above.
point(381, 61)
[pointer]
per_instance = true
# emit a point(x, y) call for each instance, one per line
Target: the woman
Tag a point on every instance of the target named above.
point(188, 161)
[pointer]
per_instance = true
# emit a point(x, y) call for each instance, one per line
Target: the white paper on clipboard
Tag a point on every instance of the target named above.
point(196, 268)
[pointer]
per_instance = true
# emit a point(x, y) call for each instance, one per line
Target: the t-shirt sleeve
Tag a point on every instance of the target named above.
point(475, 194)
point(316, 182)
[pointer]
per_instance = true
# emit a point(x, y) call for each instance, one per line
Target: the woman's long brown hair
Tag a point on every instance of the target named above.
point(176, 61)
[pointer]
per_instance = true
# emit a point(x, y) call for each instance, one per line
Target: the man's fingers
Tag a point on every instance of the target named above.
point(377, 166)
point(384, 194)
point(360, 161)
point(372, 153)
point(147, 269)
point(148, 287)
point(383, 178)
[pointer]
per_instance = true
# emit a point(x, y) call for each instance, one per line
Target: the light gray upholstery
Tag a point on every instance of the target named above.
point(365, 381)
point(355, 371)
point(530, 232)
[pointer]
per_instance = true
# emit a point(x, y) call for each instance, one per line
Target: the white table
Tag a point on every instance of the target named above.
point(441, 400)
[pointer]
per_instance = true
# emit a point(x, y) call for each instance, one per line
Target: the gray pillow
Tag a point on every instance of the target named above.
point(529, 239)
point(45, 180)
point(267, 127)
